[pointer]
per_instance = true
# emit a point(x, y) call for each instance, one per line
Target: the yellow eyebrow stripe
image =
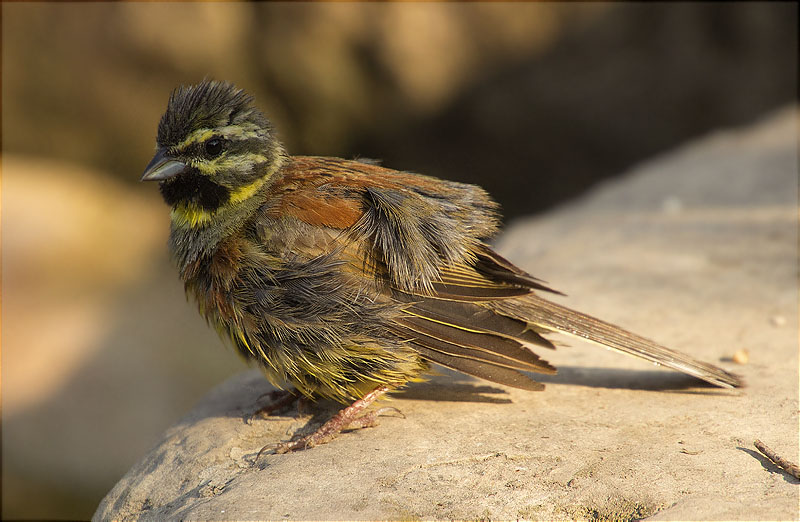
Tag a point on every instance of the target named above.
point(239, 132)
point(196, 136)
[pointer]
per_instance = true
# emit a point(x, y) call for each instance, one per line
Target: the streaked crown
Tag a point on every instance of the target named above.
point(215, 150)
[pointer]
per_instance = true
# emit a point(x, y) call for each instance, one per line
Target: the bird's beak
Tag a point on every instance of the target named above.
point(162, 167)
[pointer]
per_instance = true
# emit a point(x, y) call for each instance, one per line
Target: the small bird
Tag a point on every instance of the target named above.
point(345, 279)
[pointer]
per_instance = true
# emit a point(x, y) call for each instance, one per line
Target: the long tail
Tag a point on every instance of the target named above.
point(550, 316)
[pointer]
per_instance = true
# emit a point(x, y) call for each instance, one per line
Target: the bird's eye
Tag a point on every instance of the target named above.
point(213, 147)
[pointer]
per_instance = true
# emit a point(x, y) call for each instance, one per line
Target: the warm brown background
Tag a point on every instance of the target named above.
point(534, 101)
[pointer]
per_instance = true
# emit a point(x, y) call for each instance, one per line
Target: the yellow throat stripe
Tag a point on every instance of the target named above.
point(194, 216)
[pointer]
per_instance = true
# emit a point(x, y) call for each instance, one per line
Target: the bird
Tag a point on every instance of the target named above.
point(344, 279)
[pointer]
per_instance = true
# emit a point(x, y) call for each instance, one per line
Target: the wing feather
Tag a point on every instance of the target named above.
point(476, 345)
point(481, 369)
point(464, 305)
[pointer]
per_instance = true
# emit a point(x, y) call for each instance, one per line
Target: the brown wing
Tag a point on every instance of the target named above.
point(466, 307)
point(419, 238)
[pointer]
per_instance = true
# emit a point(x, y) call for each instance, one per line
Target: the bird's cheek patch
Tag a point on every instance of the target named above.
point(194, 188)
point(229, 161)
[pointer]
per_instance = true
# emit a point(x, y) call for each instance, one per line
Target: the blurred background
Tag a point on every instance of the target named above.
point(536, 102)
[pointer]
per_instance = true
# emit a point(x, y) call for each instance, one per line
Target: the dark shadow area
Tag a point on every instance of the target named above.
point(769, 465)
point(613, 91)
point(450, 386)
point(441, 391)
point(613, 378)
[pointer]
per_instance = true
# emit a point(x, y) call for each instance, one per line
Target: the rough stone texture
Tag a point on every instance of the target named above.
point(696, 249)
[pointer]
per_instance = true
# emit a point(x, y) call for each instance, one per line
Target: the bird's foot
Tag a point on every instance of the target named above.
point(279, 400)
point(349, 417)
point(370, 420)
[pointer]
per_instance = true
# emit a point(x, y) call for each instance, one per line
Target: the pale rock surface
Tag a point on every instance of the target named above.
point(696, 249)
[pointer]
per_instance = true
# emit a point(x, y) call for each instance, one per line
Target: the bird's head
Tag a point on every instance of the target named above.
point(214, 149)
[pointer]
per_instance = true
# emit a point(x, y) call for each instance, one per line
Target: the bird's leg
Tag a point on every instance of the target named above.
point(280, 399)
point(349, 416)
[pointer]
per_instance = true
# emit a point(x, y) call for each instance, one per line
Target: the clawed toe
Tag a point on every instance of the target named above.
point(390, 409)
point(348, 418)
point(370, 420)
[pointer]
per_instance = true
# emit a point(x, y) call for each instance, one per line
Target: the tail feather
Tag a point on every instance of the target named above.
point(554, 317)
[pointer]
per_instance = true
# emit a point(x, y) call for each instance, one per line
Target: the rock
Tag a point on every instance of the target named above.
point(696, 249)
